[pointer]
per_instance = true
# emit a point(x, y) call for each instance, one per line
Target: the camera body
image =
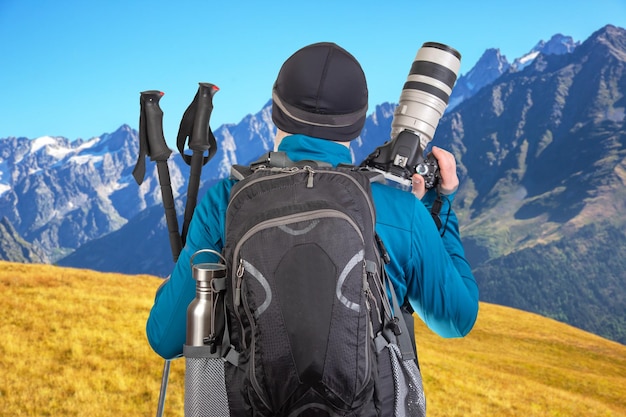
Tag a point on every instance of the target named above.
point(402, 157)
point(423, 101)
point(429, 170)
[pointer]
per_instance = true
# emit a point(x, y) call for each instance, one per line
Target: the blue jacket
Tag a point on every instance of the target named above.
point(430, 269)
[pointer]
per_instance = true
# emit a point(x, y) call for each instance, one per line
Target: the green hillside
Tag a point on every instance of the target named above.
point(73, 344)
point(577, 280)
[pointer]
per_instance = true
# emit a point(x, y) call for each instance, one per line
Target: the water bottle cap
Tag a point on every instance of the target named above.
point(208, 271)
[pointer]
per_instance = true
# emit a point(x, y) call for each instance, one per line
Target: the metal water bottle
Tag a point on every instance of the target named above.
point(205, 387)
point(200, 314)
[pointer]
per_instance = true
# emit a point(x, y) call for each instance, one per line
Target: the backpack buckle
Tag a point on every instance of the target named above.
point(394, 326)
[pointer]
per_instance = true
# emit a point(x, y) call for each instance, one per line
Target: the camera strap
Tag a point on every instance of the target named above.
point(435, 210)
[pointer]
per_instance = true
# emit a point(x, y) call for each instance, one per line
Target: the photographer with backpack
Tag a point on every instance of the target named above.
point(319, 105)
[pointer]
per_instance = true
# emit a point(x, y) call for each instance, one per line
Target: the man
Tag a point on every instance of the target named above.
point(319, 106)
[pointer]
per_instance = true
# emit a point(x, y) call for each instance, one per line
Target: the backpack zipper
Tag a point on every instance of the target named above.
point(239, 275)
point(238, 301)
point(370, 297)
point(285, 172)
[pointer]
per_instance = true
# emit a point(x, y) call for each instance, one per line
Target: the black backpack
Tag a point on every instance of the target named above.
point(309, 322)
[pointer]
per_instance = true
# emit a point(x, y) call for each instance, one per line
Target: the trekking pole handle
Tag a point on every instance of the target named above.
point(158, 149)
point(199, 140)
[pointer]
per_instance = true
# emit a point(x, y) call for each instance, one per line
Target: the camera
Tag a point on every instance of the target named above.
point(423, 101)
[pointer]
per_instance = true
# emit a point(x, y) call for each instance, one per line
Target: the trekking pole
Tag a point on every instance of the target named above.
point(195, 125)
point(152, 143)
point(165, 375)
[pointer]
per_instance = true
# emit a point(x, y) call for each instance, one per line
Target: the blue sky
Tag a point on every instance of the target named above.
point(76, 68)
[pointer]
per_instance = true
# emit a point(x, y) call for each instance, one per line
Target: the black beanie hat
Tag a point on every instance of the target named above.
point(321, 92)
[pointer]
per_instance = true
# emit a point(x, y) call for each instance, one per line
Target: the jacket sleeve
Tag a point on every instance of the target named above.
point(166, 325)
point(446, 295)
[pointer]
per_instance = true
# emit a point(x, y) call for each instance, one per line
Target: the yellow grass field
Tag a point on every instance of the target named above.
point(73, 344)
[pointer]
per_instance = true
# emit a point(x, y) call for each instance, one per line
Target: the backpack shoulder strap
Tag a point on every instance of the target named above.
point(240, 172)
point(405, 342)
point(397, 326)
point(374, 176)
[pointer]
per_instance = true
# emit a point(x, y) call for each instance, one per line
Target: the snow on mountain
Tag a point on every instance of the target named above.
point(59, 147)
point(42, 142)
point(557, 45)
point(521, 63)
point(5, 174)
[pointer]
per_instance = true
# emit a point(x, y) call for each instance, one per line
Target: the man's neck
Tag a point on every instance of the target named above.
point(280, 135)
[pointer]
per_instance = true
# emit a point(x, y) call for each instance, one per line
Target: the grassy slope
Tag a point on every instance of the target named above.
point(73, 344)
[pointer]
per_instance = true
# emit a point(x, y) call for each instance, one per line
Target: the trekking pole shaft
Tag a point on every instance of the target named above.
point(164, 381)
point(197, 159)
point(167, 196)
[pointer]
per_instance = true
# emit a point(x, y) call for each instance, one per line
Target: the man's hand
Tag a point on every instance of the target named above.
point(447, 169)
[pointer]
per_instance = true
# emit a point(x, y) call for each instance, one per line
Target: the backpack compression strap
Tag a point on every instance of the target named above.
point(272, 160)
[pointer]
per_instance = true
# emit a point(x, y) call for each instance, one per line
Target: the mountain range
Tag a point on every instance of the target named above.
point(540, 145)
point(492, 64)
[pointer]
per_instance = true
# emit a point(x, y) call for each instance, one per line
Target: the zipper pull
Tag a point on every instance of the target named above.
point(239, 274)
point(309, 182)
point(368, 295)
